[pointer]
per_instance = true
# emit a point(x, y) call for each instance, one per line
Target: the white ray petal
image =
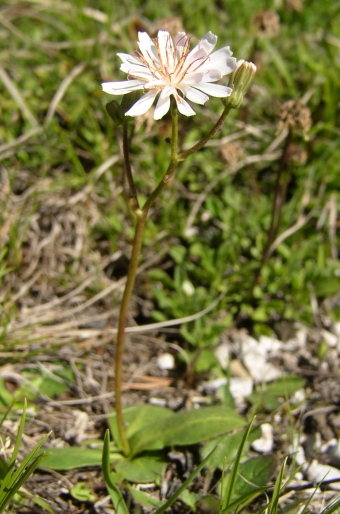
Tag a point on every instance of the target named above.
point(132, 59)
point(163, 104)
point(194, 95)
point(183, 106)
point(208, 42)
point(166, 50)
point(193, 78)
point(195, 60)
point(139, 71)
point(220, 60)
point(155, 83)
point(181, 44)
point(214, 89)
point(143, 104)
point(148, 49)
point(122, 88)
point(204, 47)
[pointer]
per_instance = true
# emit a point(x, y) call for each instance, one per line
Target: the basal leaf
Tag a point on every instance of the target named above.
point(183, 428)
point(74, 457)
point(145, 468)
point(286, 385)
point(144, 499)
point(262, 400)
point(226, 448)
point(254, 473)
point(137, 417)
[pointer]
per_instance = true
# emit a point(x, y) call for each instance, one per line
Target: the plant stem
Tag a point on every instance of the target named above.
point(141, 215)
point(276, 214)
point(183, 155)
point(131, 276)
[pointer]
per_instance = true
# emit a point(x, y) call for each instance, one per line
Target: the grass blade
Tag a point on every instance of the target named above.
point(19, 436)
point(5, 484)
point(13, 481)
point(115, 494)
point(333, 507)
point(274, 503)
point(233, 473)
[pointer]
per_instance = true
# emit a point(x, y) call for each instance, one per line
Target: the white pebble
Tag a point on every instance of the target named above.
point(266, 441)
point(166, 361)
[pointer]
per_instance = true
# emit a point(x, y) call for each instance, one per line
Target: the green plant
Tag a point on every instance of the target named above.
point(14, 474)
point(175, 61)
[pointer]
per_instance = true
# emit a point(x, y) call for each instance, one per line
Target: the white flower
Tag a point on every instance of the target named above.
point(163, 66)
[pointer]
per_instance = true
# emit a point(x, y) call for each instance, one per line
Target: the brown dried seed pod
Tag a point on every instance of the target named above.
point(295, 115)
point(267, 23)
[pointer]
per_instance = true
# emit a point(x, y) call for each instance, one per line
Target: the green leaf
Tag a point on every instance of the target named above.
point(205, 361)
point(42, 503)
point(146, 468)
point(262, 400)
point(183, 428)
point(189, 498)
point(48, 386)
point(144, 499)
point(285, 386)
point(226, 448)
point(137, 417)
point(255, 472)
point(81, 493)
point(74, 457)
point(178, 253)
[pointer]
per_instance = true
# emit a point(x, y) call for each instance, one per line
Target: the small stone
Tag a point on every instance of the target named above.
point(166, 361)
point(240, 388)
point(320, 472)
point(259, 369)
point(330, 339)
point(336, 328)
point(238, 370)
point(212, 385)
point(332, 448)
point(266, 441)
point(298, 397)
point(296, 451)
point(160, 402)
point(270, 344)
point(222, 353)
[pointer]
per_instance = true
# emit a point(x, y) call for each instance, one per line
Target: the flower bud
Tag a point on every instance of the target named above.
point(240, 80)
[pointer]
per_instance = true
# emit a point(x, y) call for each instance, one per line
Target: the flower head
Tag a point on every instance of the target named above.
point(168, 67)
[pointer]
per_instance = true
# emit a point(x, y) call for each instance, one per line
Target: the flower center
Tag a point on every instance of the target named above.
point(170, 65)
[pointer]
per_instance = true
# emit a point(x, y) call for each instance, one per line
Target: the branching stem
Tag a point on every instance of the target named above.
point(141, 214)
